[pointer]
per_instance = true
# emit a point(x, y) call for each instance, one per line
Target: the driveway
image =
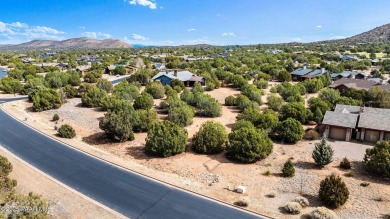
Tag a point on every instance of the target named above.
point(352, 150)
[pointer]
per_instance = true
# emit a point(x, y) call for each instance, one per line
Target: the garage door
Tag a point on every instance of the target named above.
point(338, 133)
point(371, 136)
point(386, 136)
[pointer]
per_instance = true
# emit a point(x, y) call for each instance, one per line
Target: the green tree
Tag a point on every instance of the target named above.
point(377, 159)
point(230, 101)
point(329, 95)
point(120, 70)
point(333, 191)
point(104, 84)
point(144, 101)
point(117, 126)
point(322, 153)
point(156, 89)
point(125, 91)
point(197, 88)
point(70, 91)
point(166, 139)
point(143, 119)
point(289, 131)
point(10, 86)
point(275, 102)
point(66, 131)
point(210, 139)
point(248, 145)
point(46, 99)
point(181, 115)
point(288, 169)
point(94, 98)
point(294, 110)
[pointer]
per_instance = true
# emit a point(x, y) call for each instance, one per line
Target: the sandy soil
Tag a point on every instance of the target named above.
point(210, 175)
point(63, 203)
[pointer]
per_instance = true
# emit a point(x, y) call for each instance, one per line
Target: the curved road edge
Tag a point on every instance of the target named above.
point(129, 170)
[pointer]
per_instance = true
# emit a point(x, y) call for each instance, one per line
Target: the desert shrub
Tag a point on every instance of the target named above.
point(275, 102)
point(10, 85)
point(349, 174)
point(288, 169)
point(329, 95)
point(251, 114)
point(142, 120)
point(267, 172)
point(317, 103)
point(230, 101)
point(289, 131)
point(364, 184)
point(207, 106)
point(144, 101)
point(56, 117)
point(120, 70)
point(116, 105)
point(5, 167)
point(333, 191)
point(197, 88)
point(313, 85)
point(177, 85)
point(322, 213)
point(210, 139)
point(242, 124)
point(244, 102)
point(293, 208)
point(252, 92)
point(104, 84)
point(317, 116)
point(46, 99)
point(69, 91)
point(93, 76)
point(261, 83)
point(117, 125)
point(181, 115)
point(322, 153)
point(345, 164)
point(94, 98)
point(66, 131)
point(268, 120)
point(284, 76)
point(188, 97)
point(377, 159)
point(156, 89)
point(248, 145)
point(84, 88)
point(302, 201)
point(125, 91)
point(166, 139)
point(273, 90)
point(241, 203)
point(312, 134)
point(271, 194)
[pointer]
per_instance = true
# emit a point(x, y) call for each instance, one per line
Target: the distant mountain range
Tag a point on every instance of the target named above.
point(74, 43)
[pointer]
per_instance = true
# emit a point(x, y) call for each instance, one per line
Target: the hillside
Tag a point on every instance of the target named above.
point(74, 43)
point(378, 34)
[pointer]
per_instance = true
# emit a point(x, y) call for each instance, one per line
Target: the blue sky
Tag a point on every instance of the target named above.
point(177, 22)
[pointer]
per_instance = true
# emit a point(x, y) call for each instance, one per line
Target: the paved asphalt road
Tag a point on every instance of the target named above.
point(125, 192)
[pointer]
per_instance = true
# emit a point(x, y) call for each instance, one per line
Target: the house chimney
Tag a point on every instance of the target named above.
point(304, 67)
point(322, 70)
point(175, 73)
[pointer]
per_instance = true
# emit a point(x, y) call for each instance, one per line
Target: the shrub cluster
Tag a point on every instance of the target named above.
point(66, 131)
point(210, 139)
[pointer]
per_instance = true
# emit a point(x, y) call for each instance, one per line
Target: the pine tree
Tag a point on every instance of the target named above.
point(333, 191)
point(322, 153)
point(288, 169)
point(318, 115)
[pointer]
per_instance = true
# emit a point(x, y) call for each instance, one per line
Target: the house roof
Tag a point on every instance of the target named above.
point(357, 84)
point(340, 108)
point(346, 74)
point(315, 73)
point(375, 120)
point(376, 80)
point(301, 71)
point(181, 75)
point(111, 67)
point(347, 120)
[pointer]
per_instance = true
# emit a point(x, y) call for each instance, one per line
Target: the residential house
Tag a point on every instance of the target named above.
point(348, 57)
point(354, 122)
point(47, 54)
point(376, 80)
point(187, 77)
point(273, 51)
point(315, 73)
point(347, 74)
point(223, 55)
point(357, 84)
point(84, 69)
point(110, 69)
point(300, 72)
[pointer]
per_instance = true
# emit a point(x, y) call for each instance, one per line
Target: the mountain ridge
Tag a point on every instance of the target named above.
point(68, 44)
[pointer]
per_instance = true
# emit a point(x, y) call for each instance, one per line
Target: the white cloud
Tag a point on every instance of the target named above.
point(229, 34)
point(319, 26)
point(82, 27)
point(18, 32)
point(146, 3)
point(96, 35)
point(191, 29)
point(135, 36)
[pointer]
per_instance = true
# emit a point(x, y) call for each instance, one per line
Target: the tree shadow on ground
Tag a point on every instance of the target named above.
point(98, 138)
point(361, 173)
point(29, 109)
point(138, 153)
point(306, 165)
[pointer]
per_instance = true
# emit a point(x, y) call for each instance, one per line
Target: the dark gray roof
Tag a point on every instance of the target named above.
point(301, 71)
point(340, 108)
point(377, 121)
point(181, 75)
point(357, 84)
point(340, 119)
